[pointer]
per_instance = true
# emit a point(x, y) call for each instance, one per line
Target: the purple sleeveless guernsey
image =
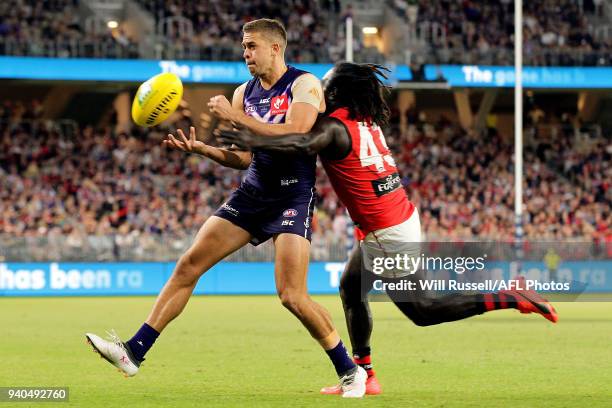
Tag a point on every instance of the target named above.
point(276, 174)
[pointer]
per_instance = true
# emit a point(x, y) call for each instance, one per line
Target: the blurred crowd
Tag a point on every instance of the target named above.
point(96, 183)
point(213, 30)
point(555, 32)
point(204, 30)
point(126, 196)
point(471, 196)
point(54, 28)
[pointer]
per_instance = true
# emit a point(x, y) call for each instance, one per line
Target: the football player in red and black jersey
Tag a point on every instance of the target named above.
point(354, 153)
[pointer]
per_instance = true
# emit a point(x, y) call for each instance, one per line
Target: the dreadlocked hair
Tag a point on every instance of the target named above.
point(360, 88)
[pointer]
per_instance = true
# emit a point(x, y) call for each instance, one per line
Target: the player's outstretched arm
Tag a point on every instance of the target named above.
point(328, 137)
point(234, 159)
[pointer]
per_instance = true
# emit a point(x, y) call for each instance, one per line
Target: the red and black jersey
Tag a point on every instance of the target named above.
point(366, 180)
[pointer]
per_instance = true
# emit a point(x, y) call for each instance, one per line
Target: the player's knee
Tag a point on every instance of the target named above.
point(292, 300)
point(422, 315)
point(349, 296)
point(421, 321)
point(350, 290)
point(187, 271)
point(416, 312)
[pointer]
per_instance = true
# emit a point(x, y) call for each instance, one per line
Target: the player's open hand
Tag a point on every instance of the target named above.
point(181, 142)
point(221, 108)
point(241, 139)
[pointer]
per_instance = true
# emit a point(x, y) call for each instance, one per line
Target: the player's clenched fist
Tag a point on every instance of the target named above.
point(221, 108)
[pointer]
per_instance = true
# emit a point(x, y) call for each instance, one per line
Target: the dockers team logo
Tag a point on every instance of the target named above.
point(279, 104)
point(386, 184)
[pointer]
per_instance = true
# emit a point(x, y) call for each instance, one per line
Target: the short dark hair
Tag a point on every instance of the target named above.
point(267, 26)
point(360, 89)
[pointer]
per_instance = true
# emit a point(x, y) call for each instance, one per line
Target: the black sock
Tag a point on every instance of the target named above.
point(142, 341)
point(341, 359)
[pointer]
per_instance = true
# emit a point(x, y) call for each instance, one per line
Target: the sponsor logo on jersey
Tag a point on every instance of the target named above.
point(287, 222)
point(290, 213)
point(387, 184)
point(279, 104)
point(286, 182)
point(230, 209)
point(264, 100)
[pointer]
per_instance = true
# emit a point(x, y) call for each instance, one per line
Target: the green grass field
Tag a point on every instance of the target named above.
point(249, 351)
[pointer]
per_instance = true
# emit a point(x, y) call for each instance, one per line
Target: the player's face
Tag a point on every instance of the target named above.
point(258, 53)
point(328, 90)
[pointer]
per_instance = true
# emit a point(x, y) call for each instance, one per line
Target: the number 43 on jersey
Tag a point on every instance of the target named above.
point(373, 151)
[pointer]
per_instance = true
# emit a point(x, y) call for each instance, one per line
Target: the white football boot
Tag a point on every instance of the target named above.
point(115, 352)
point(354, 385)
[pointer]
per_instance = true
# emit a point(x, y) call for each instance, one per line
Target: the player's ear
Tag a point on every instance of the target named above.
point(276, 48)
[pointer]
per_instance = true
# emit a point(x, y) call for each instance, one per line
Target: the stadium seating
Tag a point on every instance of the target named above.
point(120, 196)
point(55, 29)
point(471, 196)
point(212, 30)
point(183, 30)
point(559, 33)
